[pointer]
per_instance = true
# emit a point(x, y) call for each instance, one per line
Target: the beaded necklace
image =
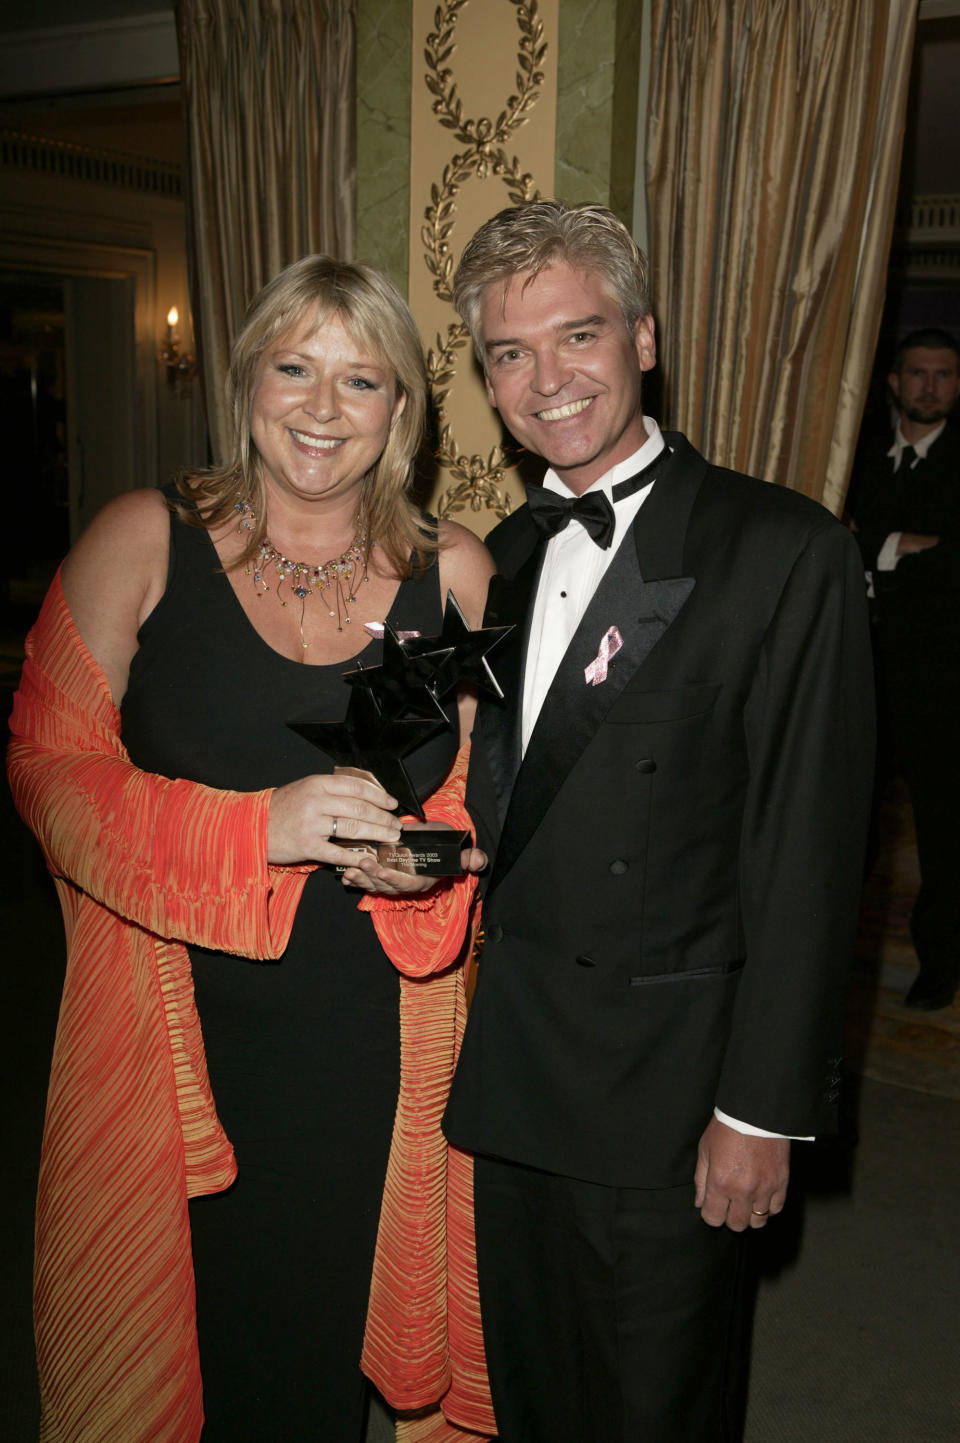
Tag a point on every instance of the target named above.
point(343, 574)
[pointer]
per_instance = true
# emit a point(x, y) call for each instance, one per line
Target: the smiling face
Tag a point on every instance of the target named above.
point(926, 386)
point(322, 410)
point(563, 370)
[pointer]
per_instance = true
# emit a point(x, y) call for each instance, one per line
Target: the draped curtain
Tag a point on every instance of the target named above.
point(269, 89)
point(773, 155)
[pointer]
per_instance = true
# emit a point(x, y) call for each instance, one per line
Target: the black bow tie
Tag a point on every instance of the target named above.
point(551, 513)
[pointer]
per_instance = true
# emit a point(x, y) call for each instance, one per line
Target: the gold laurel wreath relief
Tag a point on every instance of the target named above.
point(481, 155)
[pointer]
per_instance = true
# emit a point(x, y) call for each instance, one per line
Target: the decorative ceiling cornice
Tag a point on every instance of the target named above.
point(63, 160)
point(104, 55)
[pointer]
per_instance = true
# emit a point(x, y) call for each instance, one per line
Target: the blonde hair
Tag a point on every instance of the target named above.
point(378, 319)
point(526, 238)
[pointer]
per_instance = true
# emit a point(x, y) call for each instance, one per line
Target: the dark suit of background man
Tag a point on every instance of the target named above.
point(906, 501)
point(674, 798)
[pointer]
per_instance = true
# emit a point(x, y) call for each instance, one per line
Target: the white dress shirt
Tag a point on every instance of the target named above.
point(573, 566)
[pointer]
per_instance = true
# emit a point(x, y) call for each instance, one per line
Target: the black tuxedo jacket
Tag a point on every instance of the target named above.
point(918, 603)
point(676, 860)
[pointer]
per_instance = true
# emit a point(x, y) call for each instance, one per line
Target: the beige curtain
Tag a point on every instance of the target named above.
point(268, 91)
point(773, 157)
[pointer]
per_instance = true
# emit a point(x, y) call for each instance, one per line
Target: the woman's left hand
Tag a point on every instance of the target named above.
point(372, 876)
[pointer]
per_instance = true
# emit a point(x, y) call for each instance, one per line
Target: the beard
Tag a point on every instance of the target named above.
point(926, 413)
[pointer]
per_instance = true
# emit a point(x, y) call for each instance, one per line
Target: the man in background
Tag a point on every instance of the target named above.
point(906, 505)
point(673, 795)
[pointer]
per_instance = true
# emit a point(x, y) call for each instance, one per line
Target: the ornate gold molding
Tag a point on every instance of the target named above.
point(478, 480)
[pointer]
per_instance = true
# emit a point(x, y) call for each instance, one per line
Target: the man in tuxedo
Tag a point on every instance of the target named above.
point(906, 503)
point(673, 795)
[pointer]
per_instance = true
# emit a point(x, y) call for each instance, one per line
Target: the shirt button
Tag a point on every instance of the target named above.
point(494, 933)
point(619, 866)
point(645, 764)
point(586, 962)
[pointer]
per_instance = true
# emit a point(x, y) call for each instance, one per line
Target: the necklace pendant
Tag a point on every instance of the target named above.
point(340, 574)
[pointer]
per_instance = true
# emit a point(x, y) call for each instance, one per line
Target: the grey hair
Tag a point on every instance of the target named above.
point(526, 238)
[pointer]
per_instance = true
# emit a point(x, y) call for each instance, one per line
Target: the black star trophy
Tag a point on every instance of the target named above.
point(393, 709)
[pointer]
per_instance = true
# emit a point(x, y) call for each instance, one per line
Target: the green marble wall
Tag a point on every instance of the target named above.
point(625, 107)
point(598, 65)
point(584, 89)
point(383, 135)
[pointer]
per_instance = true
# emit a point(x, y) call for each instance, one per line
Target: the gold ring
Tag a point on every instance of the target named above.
point(758, 1214)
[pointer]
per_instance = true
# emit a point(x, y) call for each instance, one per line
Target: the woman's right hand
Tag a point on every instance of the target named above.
point(307, 818)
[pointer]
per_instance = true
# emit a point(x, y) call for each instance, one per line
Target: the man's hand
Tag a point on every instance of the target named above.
point(740, 1180)
point(913, 541)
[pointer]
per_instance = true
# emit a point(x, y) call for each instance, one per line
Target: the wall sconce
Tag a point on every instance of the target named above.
point(181, 367)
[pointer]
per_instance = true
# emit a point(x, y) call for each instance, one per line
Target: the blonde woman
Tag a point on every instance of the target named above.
point(195, 839)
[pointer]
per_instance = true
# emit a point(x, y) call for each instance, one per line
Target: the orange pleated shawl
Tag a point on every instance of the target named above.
point(423, 1338)
point(131, 1129)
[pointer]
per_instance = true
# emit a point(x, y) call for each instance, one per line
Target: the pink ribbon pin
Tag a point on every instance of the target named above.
point(611, 643)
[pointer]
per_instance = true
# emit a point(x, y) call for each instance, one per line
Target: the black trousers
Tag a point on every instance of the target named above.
point(921, 697)
point(610, 1315)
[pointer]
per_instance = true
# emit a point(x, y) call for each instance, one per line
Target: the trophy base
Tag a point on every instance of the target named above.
point(423, 850)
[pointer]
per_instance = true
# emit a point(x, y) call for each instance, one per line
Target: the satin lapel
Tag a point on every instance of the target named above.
point(661, 529)
point(573, 709)
point(498, 723)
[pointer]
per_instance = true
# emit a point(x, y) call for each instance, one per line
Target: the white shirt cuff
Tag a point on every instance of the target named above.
point(887, 557)
point(749, 1130)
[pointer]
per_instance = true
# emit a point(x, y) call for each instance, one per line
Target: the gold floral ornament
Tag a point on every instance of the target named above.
point(477, 478)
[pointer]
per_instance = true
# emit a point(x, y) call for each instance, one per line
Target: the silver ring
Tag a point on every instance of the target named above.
point(334, 831)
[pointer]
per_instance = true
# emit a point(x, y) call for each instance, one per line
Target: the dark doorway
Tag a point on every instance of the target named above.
point(33, 418)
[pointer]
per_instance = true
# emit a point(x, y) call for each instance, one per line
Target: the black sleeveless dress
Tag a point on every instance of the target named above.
point(303, 1053)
